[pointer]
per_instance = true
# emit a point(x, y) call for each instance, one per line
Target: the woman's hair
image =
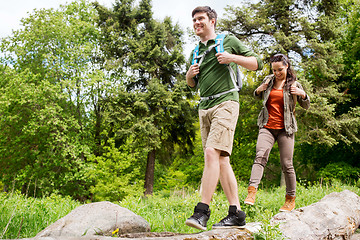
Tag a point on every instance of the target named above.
point(290, 75)
point(211, 13)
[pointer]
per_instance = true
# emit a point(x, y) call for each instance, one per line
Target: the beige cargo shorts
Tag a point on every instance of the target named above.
point(217, 126)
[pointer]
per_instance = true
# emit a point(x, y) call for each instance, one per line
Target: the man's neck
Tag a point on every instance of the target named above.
point(206, 38)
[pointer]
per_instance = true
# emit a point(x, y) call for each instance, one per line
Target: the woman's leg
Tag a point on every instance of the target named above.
point(264, 144)
point(286, 148)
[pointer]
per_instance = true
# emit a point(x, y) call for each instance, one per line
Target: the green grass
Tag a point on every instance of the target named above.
point(166, 211)
point(23, 217)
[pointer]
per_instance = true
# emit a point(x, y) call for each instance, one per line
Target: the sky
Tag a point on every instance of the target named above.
point(11, 12)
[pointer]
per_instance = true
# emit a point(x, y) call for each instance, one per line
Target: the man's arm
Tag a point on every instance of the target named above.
point(237, 52)
point(249, 62)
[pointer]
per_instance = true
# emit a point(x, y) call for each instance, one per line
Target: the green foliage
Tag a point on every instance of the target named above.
point(44, 100)
point(349, 82)
point(316, 157)
point(40, 141)
point(268, 231)
point(245, 137)
point(187, 166)
point(24, 217)
point(116, 173)
point(151, 109)
point(56, 44)
point(321, 39)
point(339, 170)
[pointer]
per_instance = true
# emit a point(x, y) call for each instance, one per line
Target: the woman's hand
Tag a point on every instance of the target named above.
point(297, 91)
point(262, 87)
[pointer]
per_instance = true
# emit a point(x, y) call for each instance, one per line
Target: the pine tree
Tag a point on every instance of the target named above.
point(151, 106)
point(307, 32)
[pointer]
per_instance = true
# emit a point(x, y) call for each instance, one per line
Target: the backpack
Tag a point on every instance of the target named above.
point(219, 47)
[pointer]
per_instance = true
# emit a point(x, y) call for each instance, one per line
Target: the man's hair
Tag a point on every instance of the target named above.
point(211, 13)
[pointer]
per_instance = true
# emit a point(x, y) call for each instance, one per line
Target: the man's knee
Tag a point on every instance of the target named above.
point(211, 153)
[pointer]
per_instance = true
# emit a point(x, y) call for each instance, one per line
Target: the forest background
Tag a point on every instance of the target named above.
point(94, 103)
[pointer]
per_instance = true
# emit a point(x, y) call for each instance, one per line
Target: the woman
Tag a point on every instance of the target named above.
point(276, 122)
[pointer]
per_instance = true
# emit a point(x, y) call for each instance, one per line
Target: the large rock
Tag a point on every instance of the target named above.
point(219, 234)
point(101, 218)
point(336, 216)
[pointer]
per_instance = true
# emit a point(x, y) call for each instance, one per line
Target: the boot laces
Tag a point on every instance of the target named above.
point(228, 217)
point(198, 215)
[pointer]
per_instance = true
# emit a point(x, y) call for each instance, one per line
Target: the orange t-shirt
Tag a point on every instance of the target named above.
point(275, 106)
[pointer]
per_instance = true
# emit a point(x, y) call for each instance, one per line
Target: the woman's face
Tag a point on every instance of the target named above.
point(279, 70)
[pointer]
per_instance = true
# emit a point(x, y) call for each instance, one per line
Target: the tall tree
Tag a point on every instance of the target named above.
point(308, 31)
point(51, 62)
point(152, 106)
point(350, 44)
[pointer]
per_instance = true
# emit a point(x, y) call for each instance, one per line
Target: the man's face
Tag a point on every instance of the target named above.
point(202, 25)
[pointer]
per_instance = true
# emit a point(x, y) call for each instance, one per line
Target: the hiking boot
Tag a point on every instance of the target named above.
point(250, 199)
point(235, 219)
point(289, 204)
point(200, 217)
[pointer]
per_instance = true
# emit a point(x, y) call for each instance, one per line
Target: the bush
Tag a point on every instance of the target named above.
point(115, 174)
point(341, 171)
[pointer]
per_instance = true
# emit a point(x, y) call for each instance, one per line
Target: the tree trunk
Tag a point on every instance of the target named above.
point(149, 175)
point(97, 130)
point(282, 180)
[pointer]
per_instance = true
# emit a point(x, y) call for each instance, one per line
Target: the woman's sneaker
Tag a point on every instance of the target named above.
point(200, 217)
point(235, 219)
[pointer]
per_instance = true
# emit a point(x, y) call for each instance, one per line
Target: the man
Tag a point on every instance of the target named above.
point(218, 113)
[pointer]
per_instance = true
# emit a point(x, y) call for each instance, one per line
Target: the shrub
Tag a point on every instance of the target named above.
point(115, 174)
point(339, 170)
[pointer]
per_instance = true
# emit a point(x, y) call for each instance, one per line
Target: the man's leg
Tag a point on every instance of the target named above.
point(209, 182)
point(217, 126)
point(228, 182)
point(211, 174)
point(235, 217)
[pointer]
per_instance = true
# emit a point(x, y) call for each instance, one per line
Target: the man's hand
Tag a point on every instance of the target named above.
point(191, 73)
point(224, 57)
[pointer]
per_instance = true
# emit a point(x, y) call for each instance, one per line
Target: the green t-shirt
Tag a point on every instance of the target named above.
point(214, 77)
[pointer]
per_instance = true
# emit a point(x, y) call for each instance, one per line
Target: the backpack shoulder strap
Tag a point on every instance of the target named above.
point(195, 55)
point(219, 47)
point(235, 77)
point(220, 40)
